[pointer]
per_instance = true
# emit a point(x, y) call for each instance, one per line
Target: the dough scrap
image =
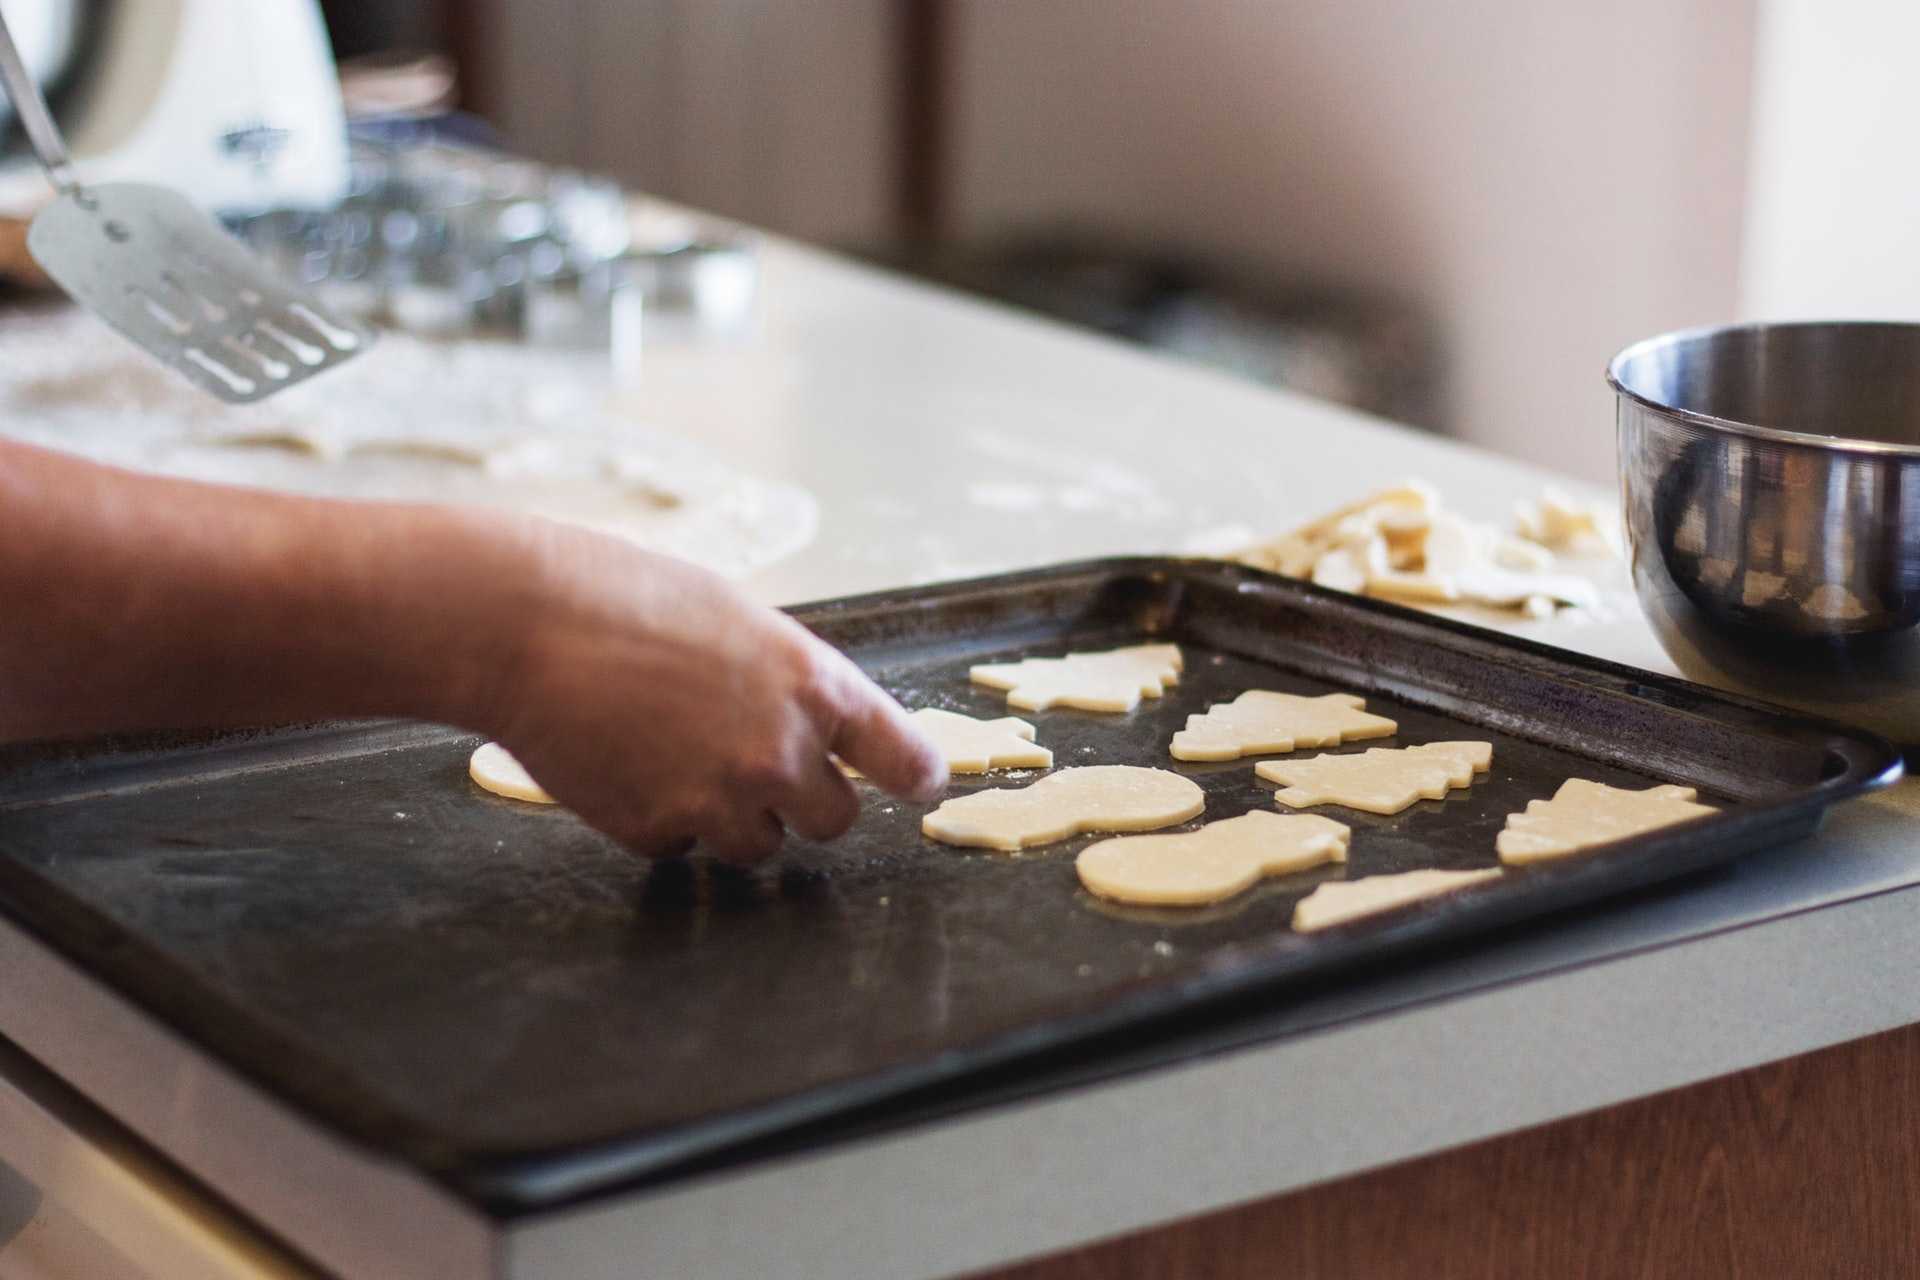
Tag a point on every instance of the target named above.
point(1382, 780)
point(978, 746)
point(1413, 588)
point(1260, 722)
point(1101, 797)
point(1583, 814)
point(313, 444)
point(1338, 901)
point(495, 769)
point(1511, 588)
point(1114, 680)
point(1397, 544)
point(1216, 862)
point(1562, 523)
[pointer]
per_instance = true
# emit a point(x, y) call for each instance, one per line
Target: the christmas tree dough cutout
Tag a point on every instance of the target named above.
point(1381, 780)
point(978, 746)
point(1338, 901)
point(1102, 797)
point(1261, 722)
point(1583, 814)
point(1114, 680)
point(494, 769)
point(1221, 859)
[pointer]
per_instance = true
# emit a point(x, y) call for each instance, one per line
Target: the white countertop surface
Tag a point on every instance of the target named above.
point(944, 437)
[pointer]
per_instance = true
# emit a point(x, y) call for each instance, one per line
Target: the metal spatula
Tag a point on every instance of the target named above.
point(152, 265)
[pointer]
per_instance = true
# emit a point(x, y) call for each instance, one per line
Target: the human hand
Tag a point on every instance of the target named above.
point(662, 706)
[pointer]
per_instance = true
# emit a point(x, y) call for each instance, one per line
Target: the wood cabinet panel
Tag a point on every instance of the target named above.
point(1809, 1167)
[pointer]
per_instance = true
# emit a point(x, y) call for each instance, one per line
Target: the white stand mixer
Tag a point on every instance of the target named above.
point(233, 101)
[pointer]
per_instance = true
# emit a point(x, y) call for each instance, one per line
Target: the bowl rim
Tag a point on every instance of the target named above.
point(1733, 426)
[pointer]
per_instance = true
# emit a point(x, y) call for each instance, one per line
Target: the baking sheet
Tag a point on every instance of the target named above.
point(497, 995)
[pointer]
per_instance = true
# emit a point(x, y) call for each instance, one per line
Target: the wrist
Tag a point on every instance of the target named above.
point(455, 612)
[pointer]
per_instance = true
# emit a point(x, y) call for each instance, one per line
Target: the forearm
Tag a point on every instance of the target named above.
point(130, 601)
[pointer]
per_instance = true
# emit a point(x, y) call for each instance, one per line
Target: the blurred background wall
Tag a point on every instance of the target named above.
point(1546, 182)
point(1525, 186)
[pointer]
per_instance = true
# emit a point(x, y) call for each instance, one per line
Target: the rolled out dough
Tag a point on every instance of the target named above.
point(1583, 814)
point(1105, 797)
point(1260, 721)
point(495, 769)
point(1338, 901)
point(1114, 680)
point(1381, 780)
point(1221, 859)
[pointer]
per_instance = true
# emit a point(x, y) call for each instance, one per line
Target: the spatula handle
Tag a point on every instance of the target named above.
point(31, 105)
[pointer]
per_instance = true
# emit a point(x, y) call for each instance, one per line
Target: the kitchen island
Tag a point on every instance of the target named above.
point(944, 437)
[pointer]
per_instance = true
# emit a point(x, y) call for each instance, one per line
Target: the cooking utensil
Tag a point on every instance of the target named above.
point(1771, 475)
point(489, 990)
point(152, 265)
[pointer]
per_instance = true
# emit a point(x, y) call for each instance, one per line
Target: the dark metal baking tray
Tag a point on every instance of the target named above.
point(497, 995)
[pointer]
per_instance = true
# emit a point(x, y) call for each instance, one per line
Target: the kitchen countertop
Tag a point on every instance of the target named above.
point(944, 437)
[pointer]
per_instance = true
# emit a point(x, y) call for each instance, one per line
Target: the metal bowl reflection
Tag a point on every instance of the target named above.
point(1771, 478)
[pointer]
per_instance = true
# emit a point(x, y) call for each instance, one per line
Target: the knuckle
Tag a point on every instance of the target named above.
point(760, 772)
point(828, 820)
point(744, 846)
point(819, 678)
point(633, 832)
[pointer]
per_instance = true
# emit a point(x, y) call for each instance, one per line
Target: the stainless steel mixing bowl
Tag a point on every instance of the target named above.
point(1771, 476)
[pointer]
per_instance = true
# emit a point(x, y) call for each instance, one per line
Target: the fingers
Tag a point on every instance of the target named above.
point(748, 835)
point(823, 805)
point(877, 738)
point(661, 847)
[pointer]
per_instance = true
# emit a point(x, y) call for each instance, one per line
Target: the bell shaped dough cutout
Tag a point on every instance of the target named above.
point(1338, 901)
point(978, 746)
point(493, 767)
point(1382, 780)
point(1260, 722)
point(1114, 680)
point(1104, 797)
point(1583, 814)
point(1221, 859)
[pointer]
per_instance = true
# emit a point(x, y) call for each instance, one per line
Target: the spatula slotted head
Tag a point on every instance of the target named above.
point(151, 264)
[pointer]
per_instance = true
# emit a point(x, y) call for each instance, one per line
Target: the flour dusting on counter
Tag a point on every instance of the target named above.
point(483, 423)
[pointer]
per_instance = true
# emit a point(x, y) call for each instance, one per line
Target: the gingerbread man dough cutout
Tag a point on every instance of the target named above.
point(1103, 797)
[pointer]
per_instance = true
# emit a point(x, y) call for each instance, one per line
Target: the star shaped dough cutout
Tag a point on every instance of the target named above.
point(1221, 859)
point(978, 746)
point(1583, 814)
point(1260, 722)
point(1114, 680)
point(1101, 797)
point(1382, 780)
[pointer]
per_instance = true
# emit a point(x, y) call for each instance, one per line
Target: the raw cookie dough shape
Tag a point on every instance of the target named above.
point(1260, 721)
point(1382, 780)
point(1221, 859)
point(979, 746)
point(495, 769)
point(1399, 545)
point(1583, 814)
point(1101, 797)
point(1337, 901)
point(1114, 680)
